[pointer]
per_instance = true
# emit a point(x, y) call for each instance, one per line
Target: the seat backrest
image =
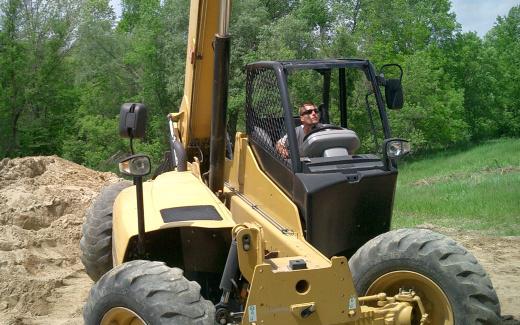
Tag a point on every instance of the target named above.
point(321, 143)
point(262, 136)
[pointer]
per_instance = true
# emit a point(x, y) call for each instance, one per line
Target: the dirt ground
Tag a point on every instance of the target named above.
point(42, 281)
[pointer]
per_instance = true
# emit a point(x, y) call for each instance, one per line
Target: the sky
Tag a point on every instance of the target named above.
point(474, 15)
point(480, 15)
point(117, 7)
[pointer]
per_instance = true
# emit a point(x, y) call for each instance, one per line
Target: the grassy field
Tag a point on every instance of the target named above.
point(477, 188)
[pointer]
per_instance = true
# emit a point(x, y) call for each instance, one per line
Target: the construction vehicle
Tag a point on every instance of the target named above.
point(257, 238)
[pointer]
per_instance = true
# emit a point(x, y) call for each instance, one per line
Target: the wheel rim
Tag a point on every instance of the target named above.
point(121, 316)
point(435, 301)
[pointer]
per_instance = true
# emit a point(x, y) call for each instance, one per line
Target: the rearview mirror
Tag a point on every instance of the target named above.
point(132, 120)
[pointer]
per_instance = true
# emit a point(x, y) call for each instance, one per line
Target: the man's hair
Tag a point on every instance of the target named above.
point(302, 106)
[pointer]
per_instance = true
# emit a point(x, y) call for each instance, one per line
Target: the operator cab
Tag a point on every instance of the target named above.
point(342, 178)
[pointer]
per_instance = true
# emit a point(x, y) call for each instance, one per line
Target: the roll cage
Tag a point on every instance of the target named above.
point(269, 111)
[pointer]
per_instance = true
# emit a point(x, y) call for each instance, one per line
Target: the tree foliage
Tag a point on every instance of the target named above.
point(503, 44)
point(67, 66)
point(37, 97)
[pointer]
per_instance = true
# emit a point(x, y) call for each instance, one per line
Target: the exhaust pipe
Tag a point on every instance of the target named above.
point(219, 101)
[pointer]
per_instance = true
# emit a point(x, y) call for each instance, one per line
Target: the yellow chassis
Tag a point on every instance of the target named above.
point(267, 228)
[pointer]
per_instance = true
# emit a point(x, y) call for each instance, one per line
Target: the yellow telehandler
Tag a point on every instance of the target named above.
point(231, 231)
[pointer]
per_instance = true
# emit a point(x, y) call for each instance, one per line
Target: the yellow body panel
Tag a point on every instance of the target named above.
point(245, 176)
point(280, 296)
point(169, 190)
point(274, 240)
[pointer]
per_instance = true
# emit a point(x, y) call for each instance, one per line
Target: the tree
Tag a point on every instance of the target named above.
point(12, 63)
point(504, 41)
point(141, 59)
point(390, 29)
point(36, 38)
point(433, 116)
point(457, 86)
point(470, 62)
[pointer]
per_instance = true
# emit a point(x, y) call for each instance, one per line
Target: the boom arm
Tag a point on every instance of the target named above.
point(207, 19)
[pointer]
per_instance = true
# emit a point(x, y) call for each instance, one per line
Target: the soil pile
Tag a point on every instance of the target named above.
point(42, 205)
point(42, 280)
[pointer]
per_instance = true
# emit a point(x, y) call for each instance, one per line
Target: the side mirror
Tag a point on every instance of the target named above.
point(132, 120)
point(136, 165)
point(394, 148)
point(394, 94)
point(393, 88)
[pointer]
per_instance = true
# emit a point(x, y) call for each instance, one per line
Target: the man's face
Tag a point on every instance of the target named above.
point(310, 115)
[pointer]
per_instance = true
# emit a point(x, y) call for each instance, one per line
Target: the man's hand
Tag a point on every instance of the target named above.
point(282, 149)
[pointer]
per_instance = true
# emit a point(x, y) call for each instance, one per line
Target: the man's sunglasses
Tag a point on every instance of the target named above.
point(310, 111)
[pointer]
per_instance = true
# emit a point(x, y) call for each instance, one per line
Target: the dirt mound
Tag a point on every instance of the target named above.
point(42, 203)
point(42, 281)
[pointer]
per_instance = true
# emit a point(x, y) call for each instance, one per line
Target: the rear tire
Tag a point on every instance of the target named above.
point(448, 279)
point(145, 292)
point(96, 240)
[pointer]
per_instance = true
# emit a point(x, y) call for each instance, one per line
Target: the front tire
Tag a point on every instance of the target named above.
point(452, 285)
point(96, 239)
point(145, 292)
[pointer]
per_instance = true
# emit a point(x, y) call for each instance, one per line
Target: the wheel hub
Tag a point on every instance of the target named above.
point(435, 301)
point(121, 316)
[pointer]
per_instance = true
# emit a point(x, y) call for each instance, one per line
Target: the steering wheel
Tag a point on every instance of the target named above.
point(322, 128)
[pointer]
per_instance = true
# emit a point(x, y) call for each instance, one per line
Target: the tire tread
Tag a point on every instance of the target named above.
point(458, 268)
point(96, 240)
point(155, 288)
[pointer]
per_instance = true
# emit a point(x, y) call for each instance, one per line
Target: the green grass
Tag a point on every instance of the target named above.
point(476, 188)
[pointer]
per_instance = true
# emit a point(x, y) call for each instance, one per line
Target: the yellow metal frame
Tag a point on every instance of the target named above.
point(255, 209)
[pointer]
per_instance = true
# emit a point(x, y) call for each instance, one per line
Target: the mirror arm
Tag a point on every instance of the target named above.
point(381, 81)
point(132, 145)
point(138, 181)
point(392, 65)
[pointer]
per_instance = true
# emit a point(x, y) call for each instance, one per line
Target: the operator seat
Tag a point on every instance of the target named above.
point(262, 136)
point(331, 143)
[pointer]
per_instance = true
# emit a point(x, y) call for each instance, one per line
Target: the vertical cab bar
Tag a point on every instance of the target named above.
point(343, 97)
